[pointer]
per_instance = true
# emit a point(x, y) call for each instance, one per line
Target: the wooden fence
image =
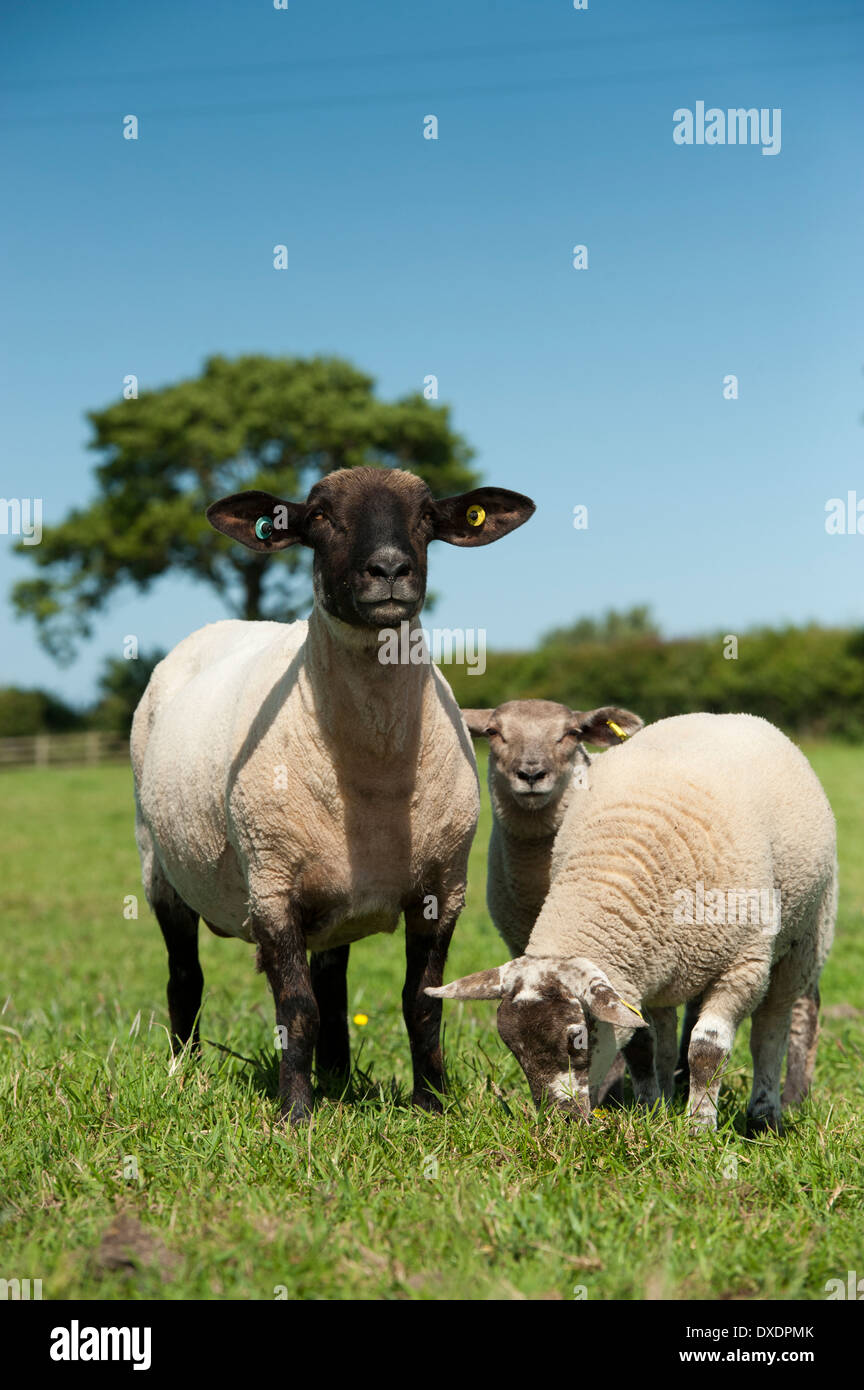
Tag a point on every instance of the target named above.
point(58, 750)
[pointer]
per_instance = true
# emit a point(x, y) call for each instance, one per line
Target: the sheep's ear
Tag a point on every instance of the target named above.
point(477, 721)
point(486, 984)
point(258, 520)
point(606, 726)
point(481, 516)
point(601, 1000)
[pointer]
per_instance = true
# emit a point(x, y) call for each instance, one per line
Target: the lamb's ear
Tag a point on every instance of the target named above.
point(481, 516)
point(258, 520)
point(477, 721)
point(601, 1000)
point(606, 726)
point(486, 984)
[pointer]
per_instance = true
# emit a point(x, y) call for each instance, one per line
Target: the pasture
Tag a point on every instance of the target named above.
point(121, 1179)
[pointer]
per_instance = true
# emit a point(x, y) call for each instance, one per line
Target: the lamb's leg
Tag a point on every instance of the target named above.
point(426, 956)
point(666, 1027)
point(803, 1041)
point(691, 1018)
point(185, 981)
point(723, 1007)
point(282, 957)
point(640, 1053)
point(329, 970)
point(770, 1033)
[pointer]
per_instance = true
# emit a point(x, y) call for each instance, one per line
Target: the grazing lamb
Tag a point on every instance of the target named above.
point(535, 748)
point(687, 834)
point(536, 757)
point(297, 792)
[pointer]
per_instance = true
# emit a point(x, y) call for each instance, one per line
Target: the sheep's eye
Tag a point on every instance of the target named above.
point(318, 515)
point(495, 733)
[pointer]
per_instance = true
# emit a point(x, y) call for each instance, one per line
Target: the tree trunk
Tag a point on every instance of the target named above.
point(253, 580)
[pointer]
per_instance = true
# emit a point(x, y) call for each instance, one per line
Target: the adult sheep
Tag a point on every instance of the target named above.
point(296, 792)
point(700, 815)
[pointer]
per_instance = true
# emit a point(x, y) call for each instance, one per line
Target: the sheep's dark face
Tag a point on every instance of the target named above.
point(370, 529)
point(534, 746)
point(555, 1016)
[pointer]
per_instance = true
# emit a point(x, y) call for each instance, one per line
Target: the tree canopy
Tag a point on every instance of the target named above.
point(251, 422)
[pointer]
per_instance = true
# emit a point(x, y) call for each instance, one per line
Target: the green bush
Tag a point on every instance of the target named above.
point(806, 680)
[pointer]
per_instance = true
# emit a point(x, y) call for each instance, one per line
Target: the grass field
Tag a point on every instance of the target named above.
point(373, 1200)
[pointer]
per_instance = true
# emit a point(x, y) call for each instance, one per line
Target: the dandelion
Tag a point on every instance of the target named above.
point(361, 1020)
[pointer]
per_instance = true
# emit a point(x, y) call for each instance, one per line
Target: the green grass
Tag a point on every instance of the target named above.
point(227, 1205)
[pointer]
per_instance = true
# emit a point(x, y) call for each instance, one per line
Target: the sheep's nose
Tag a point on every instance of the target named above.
point(531, 776)
point(388, 563)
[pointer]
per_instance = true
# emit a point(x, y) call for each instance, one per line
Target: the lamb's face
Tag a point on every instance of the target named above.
point(370, 529)
point(550, 1036)
point(558, 1016)
point(534, 746)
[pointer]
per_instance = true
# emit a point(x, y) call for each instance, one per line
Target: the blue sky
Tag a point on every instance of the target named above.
point(601, 387)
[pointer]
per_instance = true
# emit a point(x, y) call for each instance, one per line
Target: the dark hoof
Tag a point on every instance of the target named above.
point(296, 1113)
point(763, 1124)
point(425, 1100)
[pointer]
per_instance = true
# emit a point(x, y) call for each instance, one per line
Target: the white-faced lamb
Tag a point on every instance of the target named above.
point(295, 791)
point(536, 760)
point(700, 865)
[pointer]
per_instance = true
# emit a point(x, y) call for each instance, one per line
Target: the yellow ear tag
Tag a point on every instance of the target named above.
point(476, 516)
point(616, 729)
point(632, 1008)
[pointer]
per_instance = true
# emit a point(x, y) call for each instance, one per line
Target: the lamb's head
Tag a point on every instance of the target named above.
point(370, 529)
point(558, 1017)
point(535, 744)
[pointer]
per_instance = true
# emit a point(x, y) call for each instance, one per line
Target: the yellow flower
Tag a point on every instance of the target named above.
point(361, 1020)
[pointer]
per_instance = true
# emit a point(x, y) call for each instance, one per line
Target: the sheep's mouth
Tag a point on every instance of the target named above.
point(386, 611)
point(535, 797)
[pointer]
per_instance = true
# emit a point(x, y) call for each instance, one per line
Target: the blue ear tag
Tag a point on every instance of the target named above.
point(263, 528)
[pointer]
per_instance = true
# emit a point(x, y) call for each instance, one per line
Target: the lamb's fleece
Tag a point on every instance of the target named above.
point(260, 778)
point(726, 801)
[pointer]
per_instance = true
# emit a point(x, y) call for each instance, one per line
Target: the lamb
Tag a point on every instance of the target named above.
point(686, 834)
point(296, 792)
point(536, 757)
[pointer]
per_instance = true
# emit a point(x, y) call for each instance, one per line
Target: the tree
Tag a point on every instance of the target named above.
point(121, 685)
point(612, 627)
point(25, 712)
point(252, 422)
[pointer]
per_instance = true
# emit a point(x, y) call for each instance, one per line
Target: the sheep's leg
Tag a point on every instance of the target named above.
point(640, 1053)
point(691, 1018)
point(185, 981)
point(666, 1027)
point(723, 1007)
point(282, 957)
point(770, 1034)
point(803, 1040)
point(425, 958)
point(611, 1089)
point(329, 971)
